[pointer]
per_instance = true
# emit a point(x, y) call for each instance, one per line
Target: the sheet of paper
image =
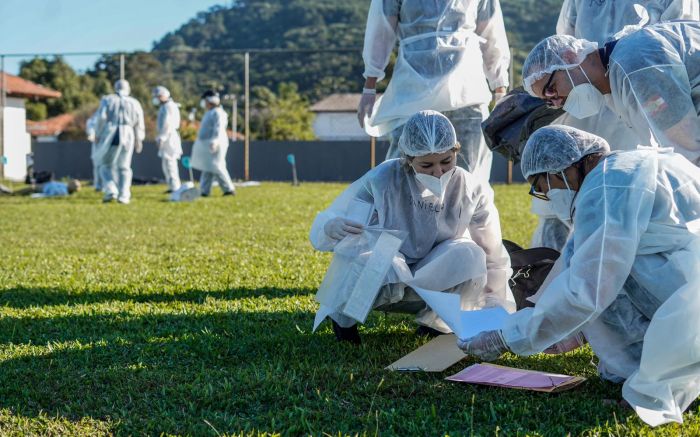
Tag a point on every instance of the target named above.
point(474, 322)
point(446, 305)
point(434, 356)
point(464, 324)
point(491, 374)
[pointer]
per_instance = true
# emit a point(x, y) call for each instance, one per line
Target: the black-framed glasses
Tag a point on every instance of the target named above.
point(547, 89)
point(537, 194)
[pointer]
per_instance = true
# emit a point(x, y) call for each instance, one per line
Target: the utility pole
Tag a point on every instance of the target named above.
point(121, 66)
point(234, 116)
point(3, 103)
point(246, 147)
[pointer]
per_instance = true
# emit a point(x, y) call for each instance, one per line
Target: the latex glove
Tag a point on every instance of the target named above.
point(91, 138)
point(213, 147)
point(487, 345)
point(568, 344)
point(365, 108)
point(138, 147)
point(339, 228)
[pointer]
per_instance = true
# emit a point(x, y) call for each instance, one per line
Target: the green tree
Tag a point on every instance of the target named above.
point(284, 116)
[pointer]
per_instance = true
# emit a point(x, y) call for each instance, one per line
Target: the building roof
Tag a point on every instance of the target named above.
point(51, 126)
point(18, 87)
point(338, 103)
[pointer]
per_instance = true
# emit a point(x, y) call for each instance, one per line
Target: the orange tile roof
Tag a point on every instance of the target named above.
point(50, 126)
point(18, 87)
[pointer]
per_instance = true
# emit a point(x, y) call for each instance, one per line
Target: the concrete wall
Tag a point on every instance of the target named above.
point(338, 126)
point(316, 160)
point(17, 141)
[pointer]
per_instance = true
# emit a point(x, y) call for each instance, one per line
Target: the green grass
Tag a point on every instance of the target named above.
point(196, 319)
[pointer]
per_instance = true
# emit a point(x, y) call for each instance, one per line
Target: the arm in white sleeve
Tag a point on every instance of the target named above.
point(608, 224)
point(566, 24)
point(100, 119)
point(495, 50)
point(380, 37)
point(485, 230)
point(681, 10)
point(658, 104)
point(357, 190)
point(140, 124)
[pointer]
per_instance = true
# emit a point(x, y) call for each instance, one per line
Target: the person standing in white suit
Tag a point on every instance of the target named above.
point(168, 137)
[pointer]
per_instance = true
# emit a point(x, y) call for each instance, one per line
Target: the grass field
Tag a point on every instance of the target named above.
point(196, 319)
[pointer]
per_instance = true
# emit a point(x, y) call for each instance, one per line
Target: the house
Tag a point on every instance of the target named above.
point(48, 130)
point(15, 142)
point(336, 118)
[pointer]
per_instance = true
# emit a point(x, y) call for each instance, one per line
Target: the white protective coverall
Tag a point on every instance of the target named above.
point(599, 22)
point(170, 145)
point(453, 245)
point(630, 281)
point(450, 53)
point(120, 130)
point(90, 126)
point(209, 151)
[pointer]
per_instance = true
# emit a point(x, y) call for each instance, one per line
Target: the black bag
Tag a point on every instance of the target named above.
point(530, 268)
point(513, 120)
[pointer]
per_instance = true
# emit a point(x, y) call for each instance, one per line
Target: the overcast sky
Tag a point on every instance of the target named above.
point(52, 26)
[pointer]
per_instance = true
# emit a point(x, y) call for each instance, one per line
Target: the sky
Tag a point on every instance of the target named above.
point(53, 26)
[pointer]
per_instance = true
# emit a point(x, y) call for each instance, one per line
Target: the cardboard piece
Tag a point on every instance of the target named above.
point(434, 356)
point(508, 377)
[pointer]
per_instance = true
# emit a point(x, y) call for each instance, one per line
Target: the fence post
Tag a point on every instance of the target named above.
point(372, 152)
point(3, 94)
point(246, 147)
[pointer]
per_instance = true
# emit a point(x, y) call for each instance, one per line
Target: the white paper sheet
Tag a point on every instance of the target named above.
point(464, 324)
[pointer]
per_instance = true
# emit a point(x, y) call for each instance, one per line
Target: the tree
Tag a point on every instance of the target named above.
point(282, 117)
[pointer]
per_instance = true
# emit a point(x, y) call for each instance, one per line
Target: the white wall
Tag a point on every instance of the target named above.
point(338, 126)
point(17, 141)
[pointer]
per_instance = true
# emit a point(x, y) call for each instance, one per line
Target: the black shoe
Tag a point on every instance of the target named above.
point(350, 334)
point(203, 195)
point(168, 192)
point(229, 193)
point(425, 331)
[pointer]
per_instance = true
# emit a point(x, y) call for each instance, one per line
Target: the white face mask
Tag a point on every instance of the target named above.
point(203, 104)
point(584, 100)
point(561, 201)
point(433, 184)
point(155, 101)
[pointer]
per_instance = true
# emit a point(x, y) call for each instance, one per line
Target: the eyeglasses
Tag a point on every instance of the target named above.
point(538, 194)
point(548, 88)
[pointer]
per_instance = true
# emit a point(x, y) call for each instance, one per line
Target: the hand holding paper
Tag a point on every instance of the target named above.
point(487, 345)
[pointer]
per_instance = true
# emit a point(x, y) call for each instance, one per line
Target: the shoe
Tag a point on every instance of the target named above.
point(167, 192)
point(124, 201)
point(229, 193)
point(425, 331)
point(350, 334)
point(107, 199)
point(203, 195)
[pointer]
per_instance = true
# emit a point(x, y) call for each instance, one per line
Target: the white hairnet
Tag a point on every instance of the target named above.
point(557, 52)
point(122, 87)
point(161, 91)
point(553, 148)
point(427, 132)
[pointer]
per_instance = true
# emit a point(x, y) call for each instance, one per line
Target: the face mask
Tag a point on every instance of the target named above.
point(203, 104)
point(584, 100)
point(433, 184)
point(155, 101)
point(561, 201)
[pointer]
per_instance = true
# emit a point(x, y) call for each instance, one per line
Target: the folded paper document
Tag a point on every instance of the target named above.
point(508, 377)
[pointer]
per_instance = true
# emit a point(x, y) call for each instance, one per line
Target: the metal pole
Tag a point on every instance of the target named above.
point(246, 148)
point(372, 152)
point(121, 66)
point(3, 103)
point(509, 175)
point(234, 117)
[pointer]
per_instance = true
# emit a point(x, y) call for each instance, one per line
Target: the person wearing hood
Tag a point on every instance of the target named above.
point(167, 136)
point(209, 150)
point(415, 221)
point(627, 278)
point(120, 131)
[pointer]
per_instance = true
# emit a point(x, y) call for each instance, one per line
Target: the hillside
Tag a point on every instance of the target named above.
point(313, 25)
